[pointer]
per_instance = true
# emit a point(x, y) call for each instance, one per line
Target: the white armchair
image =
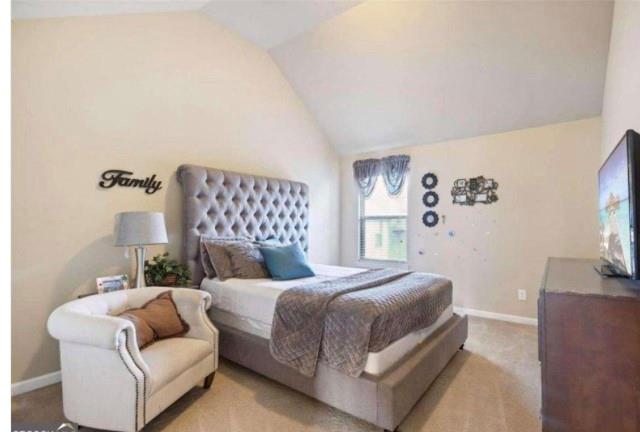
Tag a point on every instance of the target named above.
point(107, 382)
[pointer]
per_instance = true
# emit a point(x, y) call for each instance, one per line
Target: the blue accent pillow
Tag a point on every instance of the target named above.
point(286, 262)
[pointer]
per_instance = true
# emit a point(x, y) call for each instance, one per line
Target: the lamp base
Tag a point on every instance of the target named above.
point(140, 258)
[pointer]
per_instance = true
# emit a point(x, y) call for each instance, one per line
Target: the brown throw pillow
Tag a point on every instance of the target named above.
point(247, 261)
point(144, 332)
point(156, 319)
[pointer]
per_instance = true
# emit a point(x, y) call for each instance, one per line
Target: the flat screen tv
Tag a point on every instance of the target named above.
point(619, 207)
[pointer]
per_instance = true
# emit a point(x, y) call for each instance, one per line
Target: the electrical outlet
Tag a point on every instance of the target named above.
point(522, 295)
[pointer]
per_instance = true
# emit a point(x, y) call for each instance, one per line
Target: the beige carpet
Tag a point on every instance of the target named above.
point(491, 386)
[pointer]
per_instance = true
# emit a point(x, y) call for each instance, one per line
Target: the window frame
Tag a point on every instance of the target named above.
point(377, 262)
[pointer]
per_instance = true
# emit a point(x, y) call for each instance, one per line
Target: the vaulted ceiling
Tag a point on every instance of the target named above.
point(388, 73)
point(33, 9)
point(269, 23)
point(266, 23)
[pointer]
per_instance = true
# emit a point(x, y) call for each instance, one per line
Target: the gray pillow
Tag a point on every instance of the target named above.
point(213, 252)
point(205, 261)
point(246, 260)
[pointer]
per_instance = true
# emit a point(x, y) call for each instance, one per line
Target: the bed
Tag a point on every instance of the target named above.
point(222, 203)
point(248, 305)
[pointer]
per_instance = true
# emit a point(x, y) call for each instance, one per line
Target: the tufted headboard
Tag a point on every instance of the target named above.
point(224, 203)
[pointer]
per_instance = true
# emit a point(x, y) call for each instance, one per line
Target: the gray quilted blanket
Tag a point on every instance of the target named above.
point(342, 320)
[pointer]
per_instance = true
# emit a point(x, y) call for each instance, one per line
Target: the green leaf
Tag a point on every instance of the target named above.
point(161, 266)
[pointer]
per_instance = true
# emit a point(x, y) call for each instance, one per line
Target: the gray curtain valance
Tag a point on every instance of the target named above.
point(392, 168)
point(366, 173)
point(394, 171)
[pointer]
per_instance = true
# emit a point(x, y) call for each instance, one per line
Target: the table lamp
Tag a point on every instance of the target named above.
point(140, 229)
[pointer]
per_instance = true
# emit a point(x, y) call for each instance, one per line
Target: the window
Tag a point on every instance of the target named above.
point(383, 225)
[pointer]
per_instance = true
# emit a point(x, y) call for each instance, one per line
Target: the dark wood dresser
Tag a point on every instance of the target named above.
point(589, 348)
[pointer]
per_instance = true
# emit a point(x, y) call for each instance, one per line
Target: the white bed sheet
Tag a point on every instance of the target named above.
point(256, 298)
point(248, 305)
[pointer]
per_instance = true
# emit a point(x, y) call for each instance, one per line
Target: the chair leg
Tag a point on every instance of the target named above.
point(208, 380)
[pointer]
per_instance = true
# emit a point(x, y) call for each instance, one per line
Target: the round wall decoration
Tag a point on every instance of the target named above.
point(429, 181)
point(430, 219)
point(430, 198)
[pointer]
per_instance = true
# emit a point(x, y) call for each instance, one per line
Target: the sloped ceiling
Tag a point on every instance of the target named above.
point(385, 74)
point(33, 9)
point(268, 23)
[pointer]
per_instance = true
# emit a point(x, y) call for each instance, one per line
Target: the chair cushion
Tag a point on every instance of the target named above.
point(168, 358)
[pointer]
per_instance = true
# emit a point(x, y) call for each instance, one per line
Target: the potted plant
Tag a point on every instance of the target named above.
point(162, 271)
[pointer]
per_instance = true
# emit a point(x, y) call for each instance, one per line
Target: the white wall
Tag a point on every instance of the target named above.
point(547, 207)
point(144, 93)
point(621, 108)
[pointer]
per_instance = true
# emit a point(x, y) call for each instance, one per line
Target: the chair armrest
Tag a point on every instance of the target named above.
point(190, 298)
point(86, 321)
point(192, 305)
point(102, 331)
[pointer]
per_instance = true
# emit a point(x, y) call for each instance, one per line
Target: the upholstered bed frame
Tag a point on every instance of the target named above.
point(227, 204)
point(223, 203)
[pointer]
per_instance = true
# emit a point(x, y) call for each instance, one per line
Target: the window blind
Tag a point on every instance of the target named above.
point(383, 225)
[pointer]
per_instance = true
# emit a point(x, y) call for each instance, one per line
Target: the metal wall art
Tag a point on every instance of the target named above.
point(430, 219)
point(430, 199)
point(474, 190)
point(429, 181)
point(115, 177)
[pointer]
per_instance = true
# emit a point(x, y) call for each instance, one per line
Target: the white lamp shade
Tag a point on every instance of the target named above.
point(140, 228)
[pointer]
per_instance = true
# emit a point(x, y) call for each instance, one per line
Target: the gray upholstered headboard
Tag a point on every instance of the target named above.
point(224, 203)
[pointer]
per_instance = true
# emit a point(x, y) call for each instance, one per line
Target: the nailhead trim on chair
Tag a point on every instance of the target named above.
point(144, 389)
point(135, 379)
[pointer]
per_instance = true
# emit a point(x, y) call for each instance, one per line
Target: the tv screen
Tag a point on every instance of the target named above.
point(617, 207)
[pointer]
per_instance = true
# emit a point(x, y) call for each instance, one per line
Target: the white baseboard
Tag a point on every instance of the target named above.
point(497, 316)
point(35, 383)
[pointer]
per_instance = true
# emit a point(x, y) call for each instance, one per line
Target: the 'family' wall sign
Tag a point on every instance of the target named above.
point(114, 177)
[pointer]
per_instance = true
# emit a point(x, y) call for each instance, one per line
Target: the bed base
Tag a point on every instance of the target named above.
point(383, 400)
